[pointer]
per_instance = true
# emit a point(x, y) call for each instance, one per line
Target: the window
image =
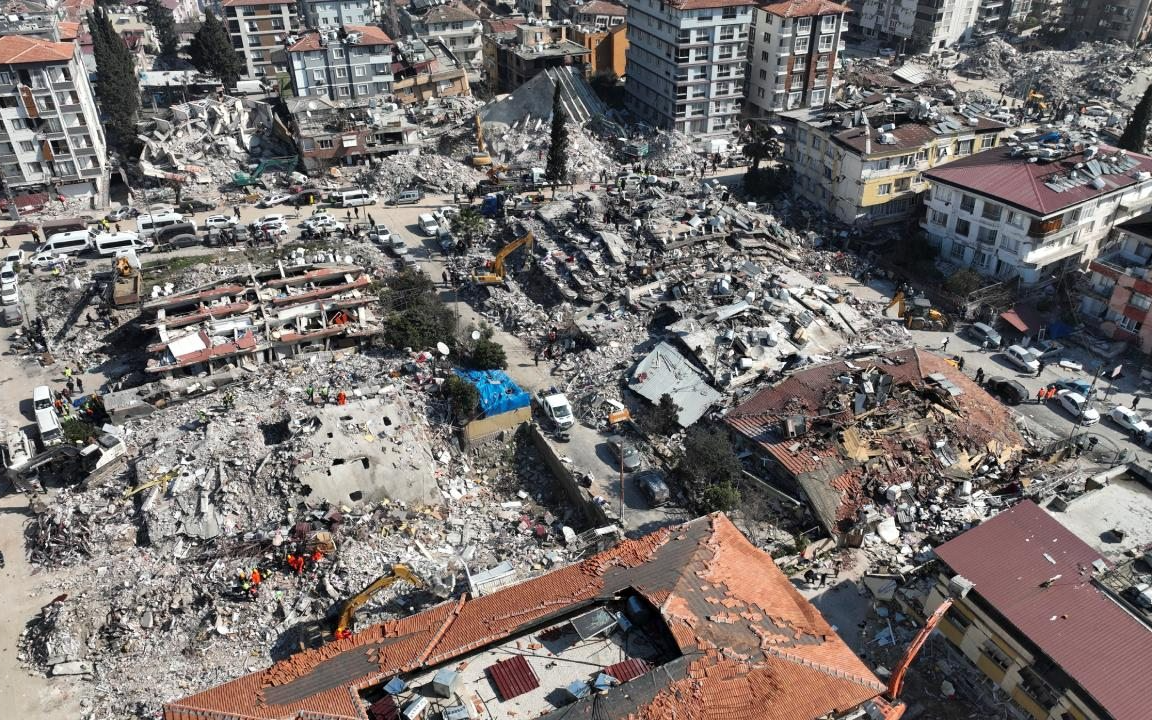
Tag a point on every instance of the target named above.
point(763, 74)
point(1015, 219)
point(884, 164)
point(361, 89)
point(963, 227)
point(257, 55)
point(359, 70)
point(884, 189)
point(65, 168)
point(828, 23)
point(801, 46)
point(341, 72)
point(803, 24)
point(338, 53)
point(729, 13)
point(968, 204)
point(937, 218)
point(816, 143)
point(1129, 324)
point(27, 146)
point(342, 91)
point(818, 97)
point(318, 75)
point(277, 23)
point(765, 56)
point(253, 27)
point(992, 211)
point(987, 141)
point(768, 37)
point(324, 143)
point(1072, 217)
point(981, 259)
point(794, 99)
point(825, 43)
point(964, 147)
point(954, 616)
point(11, 170)
point(6, 148)
point(1141, 301)
point(6, 79)
point(903, 184)
point(986, 235)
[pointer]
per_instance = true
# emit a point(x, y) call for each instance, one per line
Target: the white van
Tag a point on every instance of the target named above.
point(107, 244)
point(353, 198)
point(73, 242)
point(428, 225)
point(41, 398)
point(49, 426)
point(147, 225)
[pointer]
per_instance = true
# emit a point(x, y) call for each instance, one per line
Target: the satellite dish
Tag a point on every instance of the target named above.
point(442, 348)
point(475, 334)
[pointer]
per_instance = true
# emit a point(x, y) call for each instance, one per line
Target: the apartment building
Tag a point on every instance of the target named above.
point(258, 29)
point(867, 166)
point(913, 26)
point(1030, 614)
point(686, 62)
point(349, 133)
point(532, 49)
point(455, 25)
point(598, 14)
point(795, 52)
point(427, 69)
point(354, 61)
point(325, 14)
point(1033, 210)
point(607, 48)
point(1117, 297)
point(51, 138)
point(1127, 21)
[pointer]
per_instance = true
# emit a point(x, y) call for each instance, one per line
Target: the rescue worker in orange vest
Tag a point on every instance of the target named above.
point(341, 398)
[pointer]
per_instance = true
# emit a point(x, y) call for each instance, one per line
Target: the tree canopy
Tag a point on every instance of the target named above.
point(211, 51)
point(117, 89)
point(161, 20)
point(1135, 135)
point(557, 169)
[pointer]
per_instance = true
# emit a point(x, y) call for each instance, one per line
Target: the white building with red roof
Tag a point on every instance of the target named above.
point(796, 48)
point(352, 62)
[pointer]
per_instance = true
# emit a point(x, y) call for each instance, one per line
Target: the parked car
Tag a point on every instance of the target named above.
point(1022, 359)
point(447, 242)
point(20, 228)
point(625, 453)
point(9, 294)
point(1009, 391)
point(1076, 385)
point(46, 259)
point(272, 218)
point(651, 484)
point(121, 213)
point(273, 200)
point(380, 235)
point(1078, 407)
point(16, 257)
point(411, 264)
point(396, 245)
point(220, 221)
point(1129, 419)
point(408, 197)
point(195, 205)
point(984, 335)
point(325, 222)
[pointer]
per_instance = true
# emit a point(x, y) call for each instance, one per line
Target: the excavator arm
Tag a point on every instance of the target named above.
point(898, 301)
point(396, 574)
point(896, 682)
point(497, 275)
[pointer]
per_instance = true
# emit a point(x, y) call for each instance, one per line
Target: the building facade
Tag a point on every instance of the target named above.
point(868, 172)
point(52, 140)
point(686, 63)
point(607, 48)
point(1128, 21)
point(427, 69)
point(354, 62)
point(1117, 295)
point(331, 14)
point(794, 54)
point(598, 14)
point(913, 26)
point(514, 59)
point(349, 133)
point(1033, 211)
point(258, 29)
point(456, 25)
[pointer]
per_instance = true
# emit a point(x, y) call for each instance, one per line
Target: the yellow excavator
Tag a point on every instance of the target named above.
point(919, 314)
point(495, 275)
point(479, 156)
point(398, 573)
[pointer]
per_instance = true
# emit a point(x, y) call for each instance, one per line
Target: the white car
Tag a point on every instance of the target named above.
point(16, 257)
point(273, 218)
point(1129, 419)
point(381, 235)
point(1022, 359)
point(326, 222)
point(47, 259)
point(9, 295)
point(8, 274)
point(220, 221)
point(1078, 407)
point(273, 200)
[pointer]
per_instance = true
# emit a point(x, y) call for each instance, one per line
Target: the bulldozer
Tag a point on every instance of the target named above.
point(126, 285)
point(495, 274)
point(918, 313)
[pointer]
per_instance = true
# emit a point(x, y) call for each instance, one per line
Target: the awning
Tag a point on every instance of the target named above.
point(1024, 318)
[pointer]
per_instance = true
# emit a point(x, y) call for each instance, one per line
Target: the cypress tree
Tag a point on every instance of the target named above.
point(557, 170)
point(161, 20)
point(116, 86)
point(211, 51)
point(1136, 131)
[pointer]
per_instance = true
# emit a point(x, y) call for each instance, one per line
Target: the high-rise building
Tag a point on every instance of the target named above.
point(455, 25)
point(258, 29)
point(686, 61)
point(795, 53)
point(51, 139)
point(1129, 21)
point(353, 62)
point(912, 26)
point(331, 14)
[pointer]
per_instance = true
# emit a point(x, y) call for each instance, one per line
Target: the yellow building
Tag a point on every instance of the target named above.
point(865, 166)
point(1038, 624)
point(608, 46)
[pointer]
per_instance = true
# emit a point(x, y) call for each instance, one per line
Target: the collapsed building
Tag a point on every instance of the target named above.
point(270, 315)
point(673, 624)
point(902, 442)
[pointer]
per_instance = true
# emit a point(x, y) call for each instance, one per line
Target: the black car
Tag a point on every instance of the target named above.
point(308, 196)
point(195, 205)
point(651, 484)
point(1010, 391)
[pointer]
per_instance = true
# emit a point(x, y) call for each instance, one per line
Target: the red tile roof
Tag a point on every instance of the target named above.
point(753, 646)
point(371, 36)
point(449, 13)
point(600, 7)
point(20, 49)
point(1097, 643)
point(1020, 183)
point(909, 135)
point(805, 8)
point(704, 4)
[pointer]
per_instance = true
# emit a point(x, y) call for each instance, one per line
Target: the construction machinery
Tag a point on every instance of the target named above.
point(1035, 100)
point(241, 179)
point(918, 314)
point(479, 156)
point(398, 573)
point(896, 680)
point(127, 281)
point(495, 274)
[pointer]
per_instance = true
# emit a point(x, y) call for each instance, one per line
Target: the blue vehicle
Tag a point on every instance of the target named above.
point(1076, 385)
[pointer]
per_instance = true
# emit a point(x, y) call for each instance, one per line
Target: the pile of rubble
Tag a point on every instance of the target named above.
point(434, 173)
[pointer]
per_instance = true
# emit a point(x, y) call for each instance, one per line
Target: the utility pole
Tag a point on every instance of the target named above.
point(622, 525)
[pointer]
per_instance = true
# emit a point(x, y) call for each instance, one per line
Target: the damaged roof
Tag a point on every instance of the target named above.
point(805, 8)
point(1012, 560)
point(19, 49)
point(369, 35)
point(664, 371)
point(748, 641)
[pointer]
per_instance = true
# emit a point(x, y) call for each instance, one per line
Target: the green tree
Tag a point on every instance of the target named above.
point(211, 51)
point(487, 354)
point(161, 20)
point(470, 226)
point(116, 86)
point(557, 170)
point(1136, 131)
point(463, 396)
point(709, 470)
point(663, 419)
point(415, 316)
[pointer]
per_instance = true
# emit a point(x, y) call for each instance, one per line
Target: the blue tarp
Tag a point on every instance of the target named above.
point(1058, 330)
point(498, 393)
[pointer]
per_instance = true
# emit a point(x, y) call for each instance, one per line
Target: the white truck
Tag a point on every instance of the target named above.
point(556, 408)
